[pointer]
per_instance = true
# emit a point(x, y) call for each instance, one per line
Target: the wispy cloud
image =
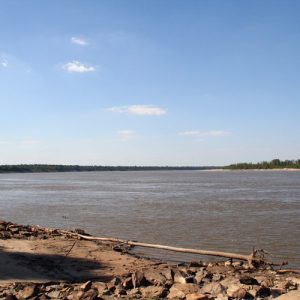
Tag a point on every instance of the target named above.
point(213, 133)
point(4, 64)
point(146, 110)
point(78, 67)
point(126, 134)
point(79, 41)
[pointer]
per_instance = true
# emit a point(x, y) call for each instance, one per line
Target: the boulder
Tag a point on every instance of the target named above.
point(153, 292)
point(155, 277)
point(180, 290)
point(29, 291)
point(213, 288)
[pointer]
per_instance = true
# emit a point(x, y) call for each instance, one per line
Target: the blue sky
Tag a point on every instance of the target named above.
point(149, 82)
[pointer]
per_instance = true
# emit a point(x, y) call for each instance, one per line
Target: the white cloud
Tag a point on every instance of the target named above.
point(78, 41)
point(78, 67)
point(148, 110)
point(126, 134)
point(4, 64)
point(213, 133)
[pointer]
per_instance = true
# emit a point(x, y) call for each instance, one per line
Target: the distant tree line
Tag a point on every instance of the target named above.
point(37, 168)
point(273, 164)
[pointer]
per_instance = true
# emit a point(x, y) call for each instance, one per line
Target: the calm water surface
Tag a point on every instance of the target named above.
point(214, 210)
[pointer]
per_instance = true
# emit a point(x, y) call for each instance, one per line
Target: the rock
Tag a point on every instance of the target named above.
point(228, 263)
point(213, 288)
point(111, 286)
point(237, 264)
point(101, 287)
point(198, 296)
point(180, 290)
point(294, 280)
point(200, 275)
point(283, 285)
point(168, 273)
point(229, 281)
point(153, 292)
point(155, 277)
point(138, 279)
point(127, 283)
point(120, 291)
point(248, 280)
point(29, 291)
point(133, 292)
point(263, 292)
point(293, 295)
point(89, 295)
point(180, 277)
point(86, 286)
point(217, 277)
point(54, 294)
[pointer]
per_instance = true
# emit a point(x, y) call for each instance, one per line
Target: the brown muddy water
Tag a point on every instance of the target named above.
point(214, 210)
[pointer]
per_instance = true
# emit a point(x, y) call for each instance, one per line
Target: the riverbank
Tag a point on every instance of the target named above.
point(43, 263)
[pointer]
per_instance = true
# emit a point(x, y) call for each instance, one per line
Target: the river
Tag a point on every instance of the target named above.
point(214, 210)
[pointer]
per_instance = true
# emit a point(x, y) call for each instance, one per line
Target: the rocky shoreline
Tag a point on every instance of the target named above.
point(61, 266)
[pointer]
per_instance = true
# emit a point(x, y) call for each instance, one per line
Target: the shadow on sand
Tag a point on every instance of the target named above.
point(22, 266)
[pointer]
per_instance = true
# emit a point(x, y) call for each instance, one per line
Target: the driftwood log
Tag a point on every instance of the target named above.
point(255, 259)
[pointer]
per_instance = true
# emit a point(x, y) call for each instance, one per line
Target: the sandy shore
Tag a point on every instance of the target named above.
point(42, 263)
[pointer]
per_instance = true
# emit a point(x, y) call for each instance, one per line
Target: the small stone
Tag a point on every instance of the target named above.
point(133, 292)
point(120, 291)
point(29, 291)
point(101, 287)
point(86, 286)
point(183, 278)
point(138, 279)
point(54, 294)
point(89, 295)
point(127, 283)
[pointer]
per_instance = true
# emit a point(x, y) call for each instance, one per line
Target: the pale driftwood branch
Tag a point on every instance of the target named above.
point(254, 259)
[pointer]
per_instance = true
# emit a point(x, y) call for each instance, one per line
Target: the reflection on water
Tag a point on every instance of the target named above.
point(229, 211)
